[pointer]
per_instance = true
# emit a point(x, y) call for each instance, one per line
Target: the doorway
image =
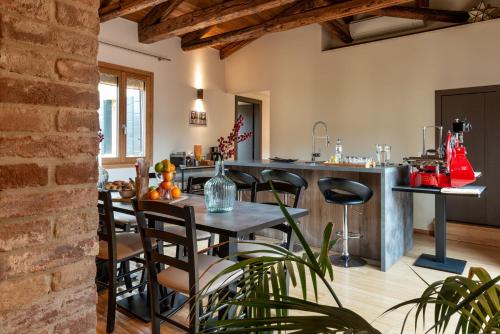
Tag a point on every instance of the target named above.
point(481, 107)
point(251, 110)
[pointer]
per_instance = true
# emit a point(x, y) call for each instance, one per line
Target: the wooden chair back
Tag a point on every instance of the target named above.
point(178, 216)
point(106, 229)
point(243, 181)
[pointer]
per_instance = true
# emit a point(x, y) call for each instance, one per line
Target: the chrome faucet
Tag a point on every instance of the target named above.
point(315, 138)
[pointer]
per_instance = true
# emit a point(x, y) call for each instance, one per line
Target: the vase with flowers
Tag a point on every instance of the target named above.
point(220, 191)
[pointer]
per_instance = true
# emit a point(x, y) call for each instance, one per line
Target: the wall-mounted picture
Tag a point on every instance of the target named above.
point(198, 118)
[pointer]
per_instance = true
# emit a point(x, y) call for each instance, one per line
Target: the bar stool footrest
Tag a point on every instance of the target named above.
point(347, 261)
point(351, 235)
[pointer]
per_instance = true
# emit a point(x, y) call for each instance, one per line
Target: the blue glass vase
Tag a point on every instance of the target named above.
point(220, 191)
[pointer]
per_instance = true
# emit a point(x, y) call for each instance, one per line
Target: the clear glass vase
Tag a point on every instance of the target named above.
point(220, 191)
point(103, 175)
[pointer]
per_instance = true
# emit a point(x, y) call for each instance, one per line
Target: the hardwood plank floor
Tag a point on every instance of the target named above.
point(365, 290)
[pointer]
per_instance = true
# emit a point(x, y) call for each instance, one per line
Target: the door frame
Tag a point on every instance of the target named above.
point(257, 115)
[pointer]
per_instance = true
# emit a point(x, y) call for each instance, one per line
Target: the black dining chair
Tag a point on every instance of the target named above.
point(116, 249)
point(186, 275)
point(245, 182)
point(196, 185)
point(346, 193)
point(287, 184)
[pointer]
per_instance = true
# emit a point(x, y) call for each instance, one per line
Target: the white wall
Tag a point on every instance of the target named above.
point(381, 92)
point(174, 89)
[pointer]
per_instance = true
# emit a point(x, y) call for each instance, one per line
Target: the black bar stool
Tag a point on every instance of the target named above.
point(345, 192)
point(288, 184)
point(284, 182)
point(244, 182)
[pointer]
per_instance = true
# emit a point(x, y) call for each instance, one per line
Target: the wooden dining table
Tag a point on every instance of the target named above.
point(245, 218)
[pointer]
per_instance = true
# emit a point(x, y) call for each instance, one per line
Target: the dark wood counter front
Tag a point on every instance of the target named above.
point(386, 221)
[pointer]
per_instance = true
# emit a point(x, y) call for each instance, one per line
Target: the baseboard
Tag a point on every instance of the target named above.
point(422, 231)
point(474, 234)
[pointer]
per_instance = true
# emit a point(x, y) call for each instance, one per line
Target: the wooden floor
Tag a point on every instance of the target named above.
point(365, 290)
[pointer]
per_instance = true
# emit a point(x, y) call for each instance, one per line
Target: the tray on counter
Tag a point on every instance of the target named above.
point(277, 159)
point(345, 164)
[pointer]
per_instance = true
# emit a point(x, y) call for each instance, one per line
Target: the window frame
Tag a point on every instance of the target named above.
point(123, 73)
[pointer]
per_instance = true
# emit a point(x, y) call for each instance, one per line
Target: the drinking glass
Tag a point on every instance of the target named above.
point(387, 150)
point(379, 149)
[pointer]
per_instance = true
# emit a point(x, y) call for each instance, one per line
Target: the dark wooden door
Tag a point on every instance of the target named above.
point(251, 110)
point(481, 106)
point(245, 149)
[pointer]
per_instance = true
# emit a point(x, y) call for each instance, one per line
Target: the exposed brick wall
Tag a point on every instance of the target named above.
point(48, 148)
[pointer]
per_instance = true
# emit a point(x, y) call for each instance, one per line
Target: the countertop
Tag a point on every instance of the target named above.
point(308, 166)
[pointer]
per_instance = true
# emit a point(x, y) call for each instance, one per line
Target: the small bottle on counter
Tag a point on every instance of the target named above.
point(338, 151)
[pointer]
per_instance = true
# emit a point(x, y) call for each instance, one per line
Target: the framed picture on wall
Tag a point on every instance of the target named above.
point(198, 118)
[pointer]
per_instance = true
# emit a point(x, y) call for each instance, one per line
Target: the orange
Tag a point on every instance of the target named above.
point(176, 192)
point(154, 195)
point(167, 185)
point(168, 176)
point(172, 168)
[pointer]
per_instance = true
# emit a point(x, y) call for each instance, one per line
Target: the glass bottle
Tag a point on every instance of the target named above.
point(220, 191)
point(103, 174)
point(338, 151)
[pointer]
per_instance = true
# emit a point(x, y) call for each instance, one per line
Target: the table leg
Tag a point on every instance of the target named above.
point(440, 228)
point(440, 261)
point(228, 250)
point(182, 180)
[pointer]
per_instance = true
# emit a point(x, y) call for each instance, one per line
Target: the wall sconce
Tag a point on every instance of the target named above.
point(199, 94)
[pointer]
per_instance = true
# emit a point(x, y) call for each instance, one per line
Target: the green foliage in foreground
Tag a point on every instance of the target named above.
point(475, 300)
point(262, 303)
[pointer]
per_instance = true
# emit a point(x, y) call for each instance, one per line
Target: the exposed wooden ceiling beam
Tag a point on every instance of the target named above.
point(422, 3)
point(160, 12)
point(199, 19)
point(105, 3)
point(231, 48)
point(338, 29)
point(315, 15)
point(424, 14)
point(118, 9)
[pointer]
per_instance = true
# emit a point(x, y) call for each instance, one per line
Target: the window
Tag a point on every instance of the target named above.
point(125, 114)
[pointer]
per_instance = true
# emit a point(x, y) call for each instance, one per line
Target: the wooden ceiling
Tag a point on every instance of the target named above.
point(232, 24)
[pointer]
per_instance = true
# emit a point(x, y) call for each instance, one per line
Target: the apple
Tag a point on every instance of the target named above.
point(159, 167)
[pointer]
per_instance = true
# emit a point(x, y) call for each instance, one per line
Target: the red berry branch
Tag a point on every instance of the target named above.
point(227, 145)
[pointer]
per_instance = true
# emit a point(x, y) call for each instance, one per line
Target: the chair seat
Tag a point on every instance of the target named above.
point(122, 219)
point(178, 280)
point(181, 231)
point(127, 245)
point(342, 199)
point(250, 246)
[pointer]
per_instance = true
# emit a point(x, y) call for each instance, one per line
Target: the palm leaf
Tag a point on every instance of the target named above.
point(475, 301)
point(324, 318)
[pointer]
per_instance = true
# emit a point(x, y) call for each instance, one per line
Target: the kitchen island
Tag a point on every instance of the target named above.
point(385, 221)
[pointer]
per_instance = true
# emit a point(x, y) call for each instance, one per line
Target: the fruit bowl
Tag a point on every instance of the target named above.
point(127, 193)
